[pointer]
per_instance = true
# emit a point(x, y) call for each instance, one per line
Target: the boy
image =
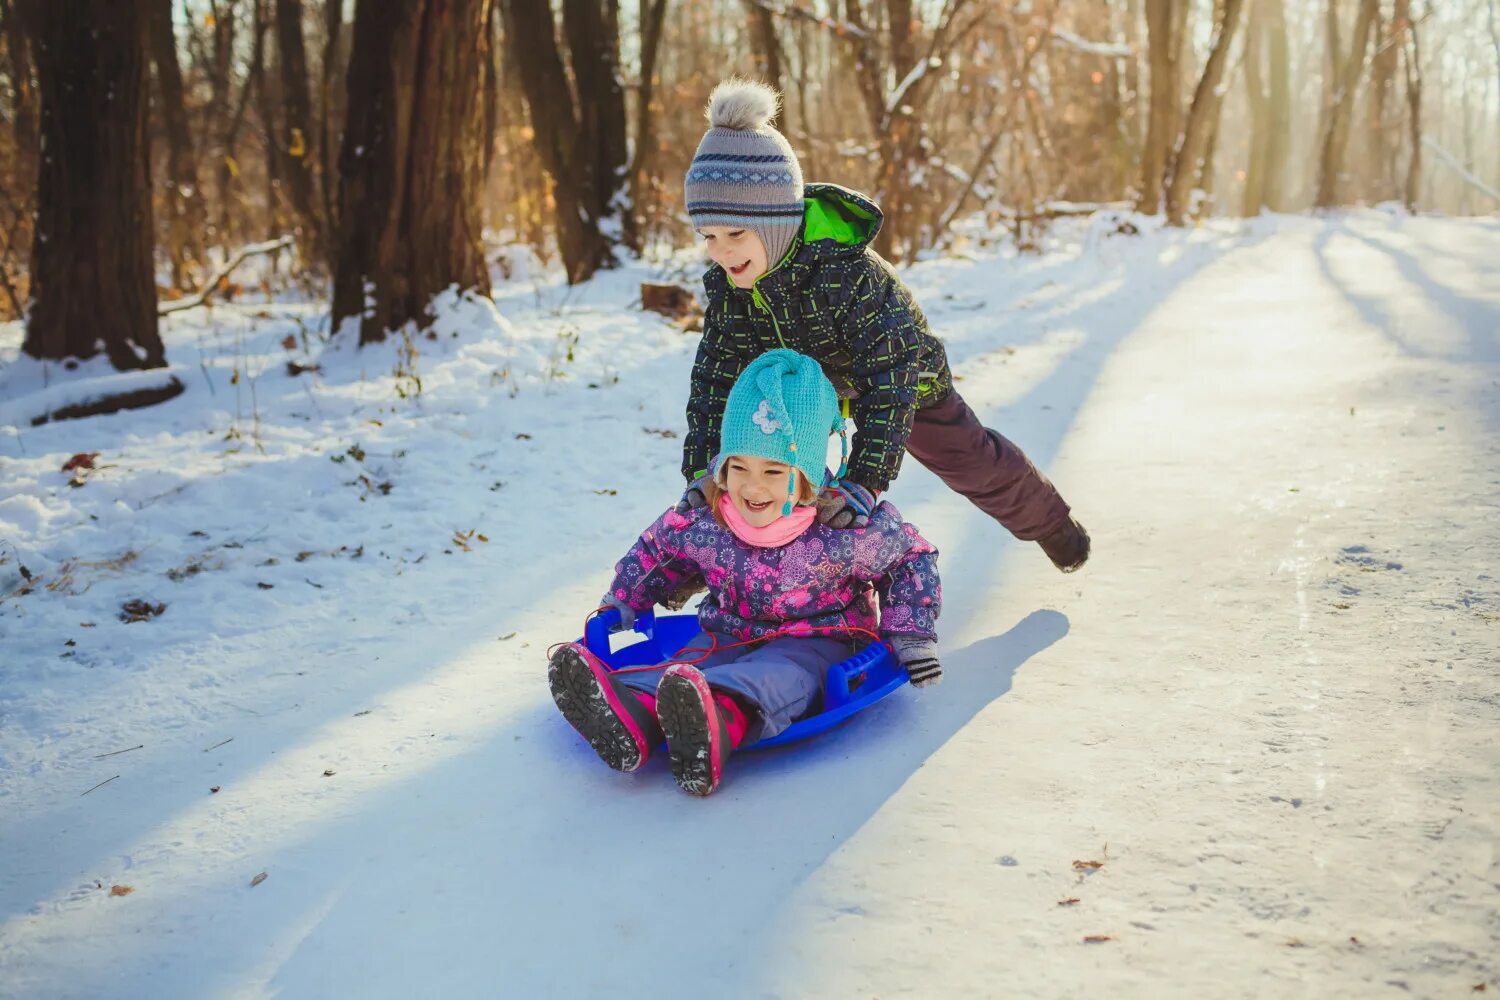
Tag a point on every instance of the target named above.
point(793, 268)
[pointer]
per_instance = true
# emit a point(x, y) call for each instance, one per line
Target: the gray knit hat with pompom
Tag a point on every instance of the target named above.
point(745, 173)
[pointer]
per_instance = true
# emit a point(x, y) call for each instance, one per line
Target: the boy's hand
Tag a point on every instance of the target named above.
point(919, 657)
point(693, 497)
point(845, 504)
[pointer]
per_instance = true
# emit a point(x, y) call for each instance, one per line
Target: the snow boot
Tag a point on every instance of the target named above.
point(617, 724)
point(1067, 547)
point(702, 727)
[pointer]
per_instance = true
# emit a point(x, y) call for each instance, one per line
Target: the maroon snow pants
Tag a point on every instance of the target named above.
point(991, 471)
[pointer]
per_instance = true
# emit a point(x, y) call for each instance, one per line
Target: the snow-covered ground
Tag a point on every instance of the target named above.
point(1269, 707)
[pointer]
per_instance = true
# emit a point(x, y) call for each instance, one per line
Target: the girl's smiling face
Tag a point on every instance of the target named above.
point(758, 487)
point(739, 251)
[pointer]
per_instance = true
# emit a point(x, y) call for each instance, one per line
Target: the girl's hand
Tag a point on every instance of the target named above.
point(627, 614)
point(693, 497)
point(845, 504)
point(919, 657)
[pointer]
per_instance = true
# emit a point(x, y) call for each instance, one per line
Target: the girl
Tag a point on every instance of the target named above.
point(793, 268)
point(787, 596)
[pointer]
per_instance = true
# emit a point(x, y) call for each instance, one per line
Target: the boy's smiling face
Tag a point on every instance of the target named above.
point(757, 487)
point(739, 251)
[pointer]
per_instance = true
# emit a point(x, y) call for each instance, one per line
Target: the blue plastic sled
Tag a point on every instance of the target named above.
point(851, 685)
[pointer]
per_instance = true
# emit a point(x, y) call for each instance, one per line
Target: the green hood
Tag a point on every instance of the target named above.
point(832, 213)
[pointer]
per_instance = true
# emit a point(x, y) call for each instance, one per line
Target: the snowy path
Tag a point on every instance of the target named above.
point(1272, 695)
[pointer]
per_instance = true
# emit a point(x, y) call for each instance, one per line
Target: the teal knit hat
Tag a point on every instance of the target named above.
point(783, 408)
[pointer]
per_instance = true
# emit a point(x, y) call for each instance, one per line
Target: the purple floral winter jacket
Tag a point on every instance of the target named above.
point(824, 578)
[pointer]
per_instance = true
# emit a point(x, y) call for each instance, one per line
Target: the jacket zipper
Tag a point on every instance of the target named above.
point(764, 306)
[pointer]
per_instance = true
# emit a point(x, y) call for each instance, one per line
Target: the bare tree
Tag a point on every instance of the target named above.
point(1347, 70)
point(295, 137)
point(91, 272)
point(1164, 26)
point(330, 110)
point(410, 169)
point(653, 17)
point(1202, 117)
point(765, 50)
point(1412, 60)
point(18, 184)
point(186, 213)
point(580, 147)
point(896, 112)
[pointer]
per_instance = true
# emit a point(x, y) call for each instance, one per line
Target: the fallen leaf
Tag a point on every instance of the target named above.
point(213, 788)
point(121, 890)
point(1342, 606)
point(82, 460)
point(138, 610)
point(328, 773)
point(508, 635)
point(1084, 866)
point(257, 880)
point(1067, 902)
point(263, 585)
point(1295, 943)
point(365, 712)
point(289, 342)
point(1096, 938)
point(482, 537)
point(607, 493)
point(523, 436)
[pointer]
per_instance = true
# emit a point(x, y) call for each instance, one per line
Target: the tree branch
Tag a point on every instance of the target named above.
point(201, 296)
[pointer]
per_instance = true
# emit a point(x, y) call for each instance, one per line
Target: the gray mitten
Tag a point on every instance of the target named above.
point(627, 616)
point(694, 496)
point(919, 657)
point(845, 504)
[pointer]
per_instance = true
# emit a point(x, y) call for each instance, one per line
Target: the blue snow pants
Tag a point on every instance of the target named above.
point(779, 681)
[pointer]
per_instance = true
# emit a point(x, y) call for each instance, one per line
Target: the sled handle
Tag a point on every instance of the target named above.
point(596, 633)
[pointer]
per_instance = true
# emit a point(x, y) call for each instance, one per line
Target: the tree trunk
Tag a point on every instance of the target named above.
point(561, 142)
point(653, 17)
point(330, 115)
point(220, 118)
point(1336, 133)
point(410, 169)
point(1382, 137)
point(765, 52)
point(268, 93)
point(91, 268)
point(1165, 47)
point(24, 96)
point(1279, 76)
point(1413, 59)
point(184, 197)
point(295, 137)
point(1201, 119)
point(593, 32)
point(18, 228)
point(1254, 197)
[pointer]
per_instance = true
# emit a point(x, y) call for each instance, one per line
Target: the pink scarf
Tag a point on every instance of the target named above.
point(774, 535)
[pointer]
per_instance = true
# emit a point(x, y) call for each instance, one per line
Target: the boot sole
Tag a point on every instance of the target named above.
point(587, 705)
point(683, 710)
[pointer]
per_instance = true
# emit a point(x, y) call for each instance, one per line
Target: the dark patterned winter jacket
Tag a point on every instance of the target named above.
point(837, 300)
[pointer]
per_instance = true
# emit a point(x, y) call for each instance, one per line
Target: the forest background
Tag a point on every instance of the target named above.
point(382, 151)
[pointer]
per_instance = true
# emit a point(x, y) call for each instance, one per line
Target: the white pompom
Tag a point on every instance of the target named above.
point(742, 104)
